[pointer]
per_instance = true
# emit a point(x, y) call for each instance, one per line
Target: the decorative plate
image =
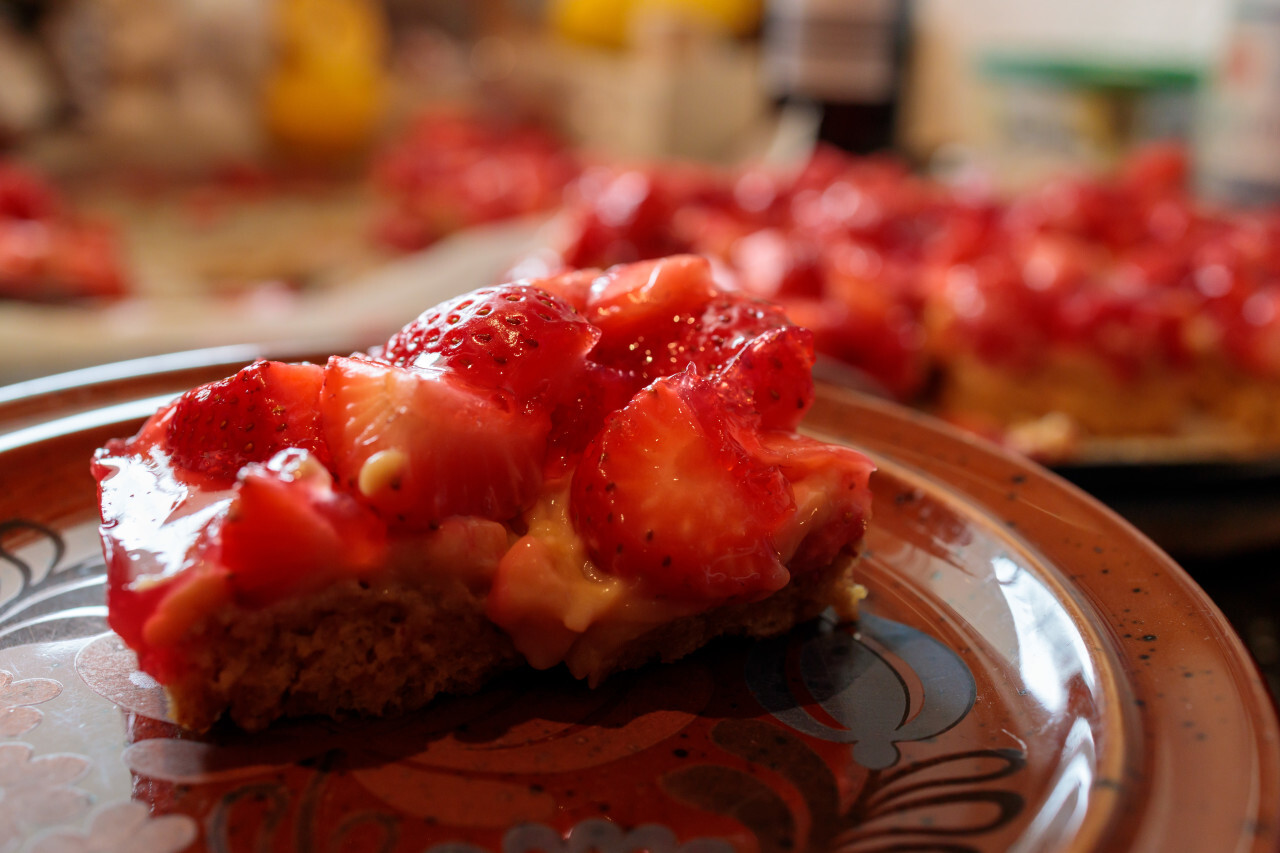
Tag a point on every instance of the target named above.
point(1029, 674)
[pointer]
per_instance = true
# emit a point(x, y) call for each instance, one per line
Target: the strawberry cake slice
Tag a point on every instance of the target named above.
point(599, 469)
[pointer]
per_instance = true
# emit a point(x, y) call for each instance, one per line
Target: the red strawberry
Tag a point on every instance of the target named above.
point(727, 324)
point(515, 337)
point(266, 407)
point(287, 531)
point(772, 377)
point(420, 446)
point(774, 263)
point(576, 420)
point(659, 317)
point(832, 497)
point(572, 286)
point(667, 496)
point(637, 302)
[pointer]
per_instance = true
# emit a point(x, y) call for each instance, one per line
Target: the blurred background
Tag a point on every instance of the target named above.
point(253, 153)
point(1054, 224)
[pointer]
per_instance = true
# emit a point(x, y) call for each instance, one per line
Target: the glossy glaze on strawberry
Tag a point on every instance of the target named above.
point(620, 455)
point(268, 406)
point(516, 338)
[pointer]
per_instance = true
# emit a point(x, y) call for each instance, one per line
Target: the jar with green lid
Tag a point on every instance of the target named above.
point(1050, 113)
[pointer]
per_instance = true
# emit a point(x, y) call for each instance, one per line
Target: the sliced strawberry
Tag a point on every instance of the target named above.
point(659, 317)
point(266, 407)
point(287, 531)
point(515, 337)
point(728, 323)
point(577, 419)
point(668, 497)
point(130, 605)
point(641, 309)
point(573, 286)
point(775, 263)
point(422, 446)
point(772, 377)
point(630, 298)
point(832, 496)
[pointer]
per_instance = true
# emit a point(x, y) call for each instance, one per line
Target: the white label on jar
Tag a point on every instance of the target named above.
point(1239, 139)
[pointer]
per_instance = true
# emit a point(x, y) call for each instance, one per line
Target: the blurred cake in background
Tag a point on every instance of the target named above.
point(49, 253)
point(1090, 310)
point(452, 170)
point(272, 153)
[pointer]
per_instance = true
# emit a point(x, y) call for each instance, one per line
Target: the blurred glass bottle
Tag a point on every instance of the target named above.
point(847, 58)
point(1238, 138)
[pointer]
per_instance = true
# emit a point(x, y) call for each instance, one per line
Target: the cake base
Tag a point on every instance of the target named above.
point(375, 650)
point(1072, 407)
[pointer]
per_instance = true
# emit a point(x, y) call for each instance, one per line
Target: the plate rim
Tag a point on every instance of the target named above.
point(1266, 723)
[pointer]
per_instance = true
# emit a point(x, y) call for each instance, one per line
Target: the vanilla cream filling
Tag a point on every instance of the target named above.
point(558, 607)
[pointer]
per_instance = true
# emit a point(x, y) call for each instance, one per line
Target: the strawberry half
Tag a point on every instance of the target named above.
point(219, 427)
point(577, 419)
point(288, 531)
point(419, 446)
point(659, 317)
point(772, 377)
point(573, 286)
point(668, 497)
point(515, 338)
point(832, 494)
point(728, 324)
point(644, 309)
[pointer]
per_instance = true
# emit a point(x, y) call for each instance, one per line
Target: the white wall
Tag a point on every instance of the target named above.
point(1181, 28)
point(953, 33)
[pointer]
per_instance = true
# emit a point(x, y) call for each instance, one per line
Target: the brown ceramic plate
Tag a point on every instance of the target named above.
point(1030, 674)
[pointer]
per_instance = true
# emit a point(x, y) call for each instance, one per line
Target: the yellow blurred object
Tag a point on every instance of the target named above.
point(607, 23)
point(596, 22)
point(327, 88)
